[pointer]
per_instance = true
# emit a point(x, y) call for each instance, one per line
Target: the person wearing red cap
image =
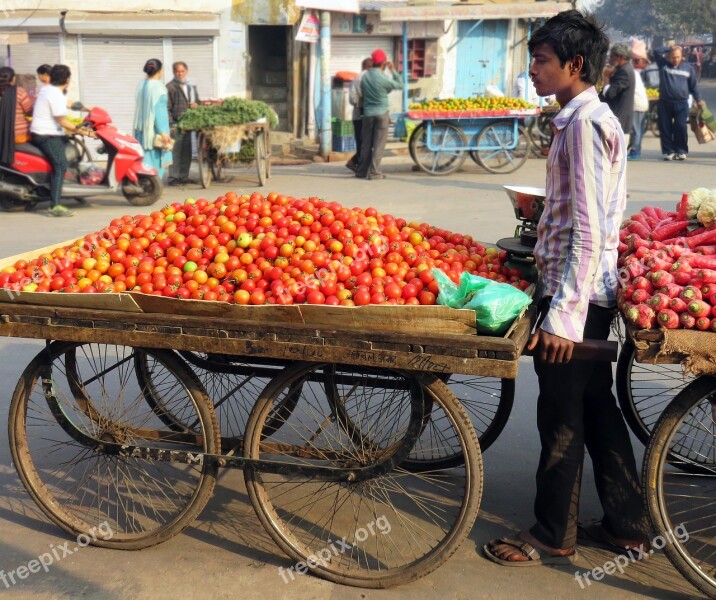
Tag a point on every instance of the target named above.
point(376, 84)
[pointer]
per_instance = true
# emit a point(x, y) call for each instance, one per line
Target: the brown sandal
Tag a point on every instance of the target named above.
point(595, 535)
point(534, 558)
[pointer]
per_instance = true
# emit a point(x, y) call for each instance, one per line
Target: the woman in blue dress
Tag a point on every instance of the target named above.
point(151, 118)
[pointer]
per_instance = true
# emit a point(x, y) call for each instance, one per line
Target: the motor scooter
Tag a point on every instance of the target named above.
point(27, 181)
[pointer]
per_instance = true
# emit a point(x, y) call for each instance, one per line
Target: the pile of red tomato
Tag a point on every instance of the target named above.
point(257, 250)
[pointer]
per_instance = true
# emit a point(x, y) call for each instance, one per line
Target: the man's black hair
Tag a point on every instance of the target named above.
point(571, 34)
point(59, 75)
point(44, 69)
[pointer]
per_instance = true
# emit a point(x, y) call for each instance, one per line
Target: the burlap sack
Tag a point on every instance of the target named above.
point(697, 347)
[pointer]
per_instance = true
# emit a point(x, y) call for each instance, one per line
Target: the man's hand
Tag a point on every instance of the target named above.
point(388, 65)
point(193, 105)
point(551, 348)
point(701, 104)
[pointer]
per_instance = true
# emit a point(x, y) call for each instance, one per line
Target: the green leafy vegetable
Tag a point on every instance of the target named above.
point(233, 111)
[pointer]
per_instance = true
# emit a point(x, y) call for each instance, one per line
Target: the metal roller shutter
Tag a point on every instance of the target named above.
point(41, 48)
point(198, 54)
point(347, 53)
point(110, 70)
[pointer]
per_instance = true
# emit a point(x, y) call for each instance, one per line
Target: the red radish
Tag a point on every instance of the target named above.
point(622, 248)
point(678, 305)
point(644, 253)
point(658, 263)
point(640, 295)
point(691, 292)
point(707, 250)
point(699, 261)
point(707, 289)
point(650, 211)
point(687, 320)
point(659, 301)
point(703, 323)
point(660, 278)
point(642, 316)
point(639, 229)
point(707, 276)
point(643, 283)
point(695, 231)
point(702, 239)
point(711, 298)
point(676, 250)
point(672, 290)
point(668, 318)
point(713, 324)
point(699, 308)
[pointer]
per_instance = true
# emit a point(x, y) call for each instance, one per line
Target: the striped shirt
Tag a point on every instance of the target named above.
point(578, 233)
point(23, 107)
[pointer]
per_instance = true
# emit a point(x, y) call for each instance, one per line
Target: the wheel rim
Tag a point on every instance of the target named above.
point(686, 498)
point(649, 390)
point(427, 514)
point(503, 158)
point(444, 161)
point(142, 502)
point(203, 160)
point(260, 158)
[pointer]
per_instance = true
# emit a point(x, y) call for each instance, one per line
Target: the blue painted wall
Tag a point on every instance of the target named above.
point(481, 57)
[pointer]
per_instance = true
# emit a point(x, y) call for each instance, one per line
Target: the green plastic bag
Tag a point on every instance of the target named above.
point(496, 304)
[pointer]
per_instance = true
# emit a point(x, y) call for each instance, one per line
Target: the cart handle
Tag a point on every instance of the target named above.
point(602, 350)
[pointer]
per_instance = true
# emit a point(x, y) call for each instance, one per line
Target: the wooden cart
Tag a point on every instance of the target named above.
point(679, 470)
point(339, 418)
point(212, 160)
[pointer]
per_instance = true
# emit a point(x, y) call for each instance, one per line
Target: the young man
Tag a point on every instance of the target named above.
point(619, 83)
point(677, 80)
point(181, 96)
point(376, 84)
point(576, 253)
point(641, 105)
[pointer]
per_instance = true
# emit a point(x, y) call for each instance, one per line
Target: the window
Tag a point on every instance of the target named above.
point(422, 58)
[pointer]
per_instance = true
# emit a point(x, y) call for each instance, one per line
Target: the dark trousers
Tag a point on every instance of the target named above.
point(375, 135)
point(673, 119)
point(53, 147)
point(575, 408)
point(181, 155)
point(358, 134)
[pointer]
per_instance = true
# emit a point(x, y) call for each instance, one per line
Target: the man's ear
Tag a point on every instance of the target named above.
point(577, 64)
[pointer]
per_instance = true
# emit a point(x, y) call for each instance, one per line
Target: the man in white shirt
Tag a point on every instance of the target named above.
point(181, 96)
point(641, 106)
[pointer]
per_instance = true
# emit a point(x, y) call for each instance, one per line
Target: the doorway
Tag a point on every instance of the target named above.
point(269, 77)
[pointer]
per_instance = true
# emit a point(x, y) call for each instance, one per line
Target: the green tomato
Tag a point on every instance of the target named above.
point(169, 218)
point(244, 240)
point(189, 201)
point(190, 266)
point(30, 287)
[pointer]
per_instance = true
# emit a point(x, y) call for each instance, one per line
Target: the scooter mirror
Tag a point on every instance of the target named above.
point(78, 106)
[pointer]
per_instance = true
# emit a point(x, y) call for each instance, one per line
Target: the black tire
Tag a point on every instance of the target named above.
point(506, 154)
point(304, 515)
point(151, 186)
point(676, 498)
point(645, 390)
point(203, 159)
point(443, 136)
point(90, 391)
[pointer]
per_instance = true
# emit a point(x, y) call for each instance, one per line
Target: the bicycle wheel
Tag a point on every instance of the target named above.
point(447, 138)
point(645, 390)
point(267, 145)
point(260, 154)
point(653, 122)
point(203, 158)
point(233, 385)
point(681, 503)
point(427, 515)
point(72, 395)
point(503, 154)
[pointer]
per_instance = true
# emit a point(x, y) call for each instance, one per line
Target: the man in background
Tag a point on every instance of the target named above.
point(356, 99)
point(619, 83)
point(181, 96)
point(677, 80)
point(641, 104)
point(376, 84)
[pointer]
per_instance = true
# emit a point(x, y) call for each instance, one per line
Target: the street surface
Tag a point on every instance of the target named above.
point(226, 553)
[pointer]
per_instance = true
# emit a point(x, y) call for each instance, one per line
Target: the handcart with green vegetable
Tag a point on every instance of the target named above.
point(231, 132)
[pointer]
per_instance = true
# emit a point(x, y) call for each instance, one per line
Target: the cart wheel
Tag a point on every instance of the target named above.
point(233, 384)
point(267, 144)
point(415, 140)
point(680, 503)
point(387, 530)
point(504, 154)
point(260, 154)
point(92, 390)
point(645, 390)
point(203, 158)
point(444, 136)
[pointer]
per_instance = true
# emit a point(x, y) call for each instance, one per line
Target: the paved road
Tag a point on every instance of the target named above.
point(226, 554)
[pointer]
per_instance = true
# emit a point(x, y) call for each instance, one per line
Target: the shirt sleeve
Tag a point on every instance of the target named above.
point(354, 93)
point(393, 83)
point(589, 149)
point(24, 101)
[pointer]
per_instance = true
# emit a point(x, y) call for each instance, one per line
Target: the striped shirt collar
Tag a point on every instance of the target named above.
point(564, 116)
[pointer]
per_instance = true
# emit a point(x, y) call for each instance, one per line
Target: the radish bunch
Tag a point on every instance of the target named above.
point(667, 270)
